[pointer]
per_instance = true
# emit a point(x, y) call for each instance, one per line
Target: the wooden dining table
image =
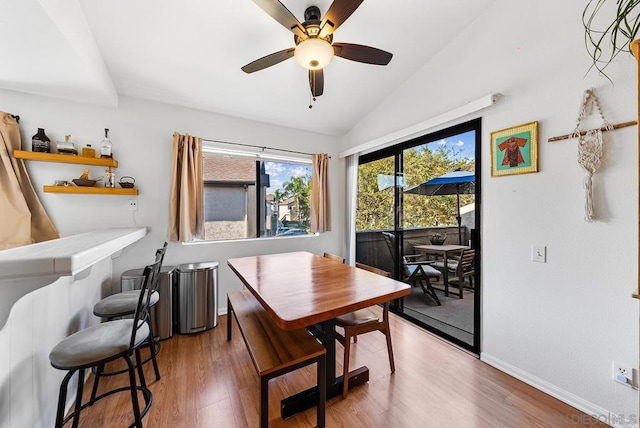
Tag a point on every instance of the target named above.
point(445, 252)
point(301, 289)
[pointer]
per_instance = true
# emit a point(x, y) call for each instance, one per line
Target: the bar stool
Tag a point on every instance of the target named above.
point(99, 344)
point(124, 304)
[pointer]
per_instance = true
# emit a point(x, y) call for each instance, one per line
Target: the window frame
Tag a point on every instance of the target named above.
point(260, 158)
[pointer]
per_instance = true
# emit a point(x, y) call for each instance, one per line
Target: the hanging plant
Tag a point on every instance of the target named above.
point(605, 44)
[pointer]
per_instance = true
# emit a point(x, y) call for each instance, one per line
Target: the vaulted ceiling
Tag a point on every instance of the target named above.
point(190, 54)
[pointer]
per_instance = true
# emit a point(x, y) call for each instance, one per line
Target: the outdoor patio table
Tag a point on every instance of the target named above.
point(444, 251)
point(301, 289)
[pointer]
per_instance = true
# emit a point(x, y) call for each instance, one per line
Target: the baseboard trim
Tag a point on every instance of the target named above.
point(565, 396)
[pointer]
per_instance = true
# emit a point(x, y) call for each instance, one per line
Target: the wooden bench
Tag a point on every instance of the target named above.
point(274, 351)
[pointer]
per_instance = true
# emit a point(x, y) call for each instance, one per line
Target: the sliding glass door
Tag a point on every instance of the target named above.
point(418, 218)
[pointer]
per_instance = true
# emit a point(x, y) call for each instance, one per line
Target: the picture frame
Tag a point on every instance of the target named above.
point(515, 150)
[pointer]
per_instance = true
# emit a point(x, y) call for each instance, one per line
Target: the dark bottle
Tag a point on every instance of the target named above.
point(40, 142)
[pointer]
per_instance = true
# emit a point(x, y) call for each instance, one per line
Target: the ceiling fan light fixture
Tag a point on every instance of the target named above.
point(314, 54)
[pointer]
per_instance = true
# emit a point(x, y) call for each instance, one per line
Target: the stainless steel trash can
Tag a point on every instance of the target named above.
point(197, 297)
point(131, 280)
point(162, 312)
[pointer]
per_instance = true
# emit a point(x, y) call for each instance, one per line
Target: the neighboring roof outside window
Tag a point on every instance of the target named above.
point(225, 169)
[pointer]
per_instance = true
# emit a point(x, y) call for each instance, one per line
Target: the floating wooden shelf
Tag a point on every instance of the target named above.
point(635, 295)
point(73, 159)
point(90, 190)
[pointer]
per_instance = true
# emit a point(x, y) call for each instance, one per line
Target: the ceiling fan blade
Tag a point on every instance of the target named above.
point(280, 13)
point(316, 82)
point(269, 60)
point(362, 53)
point(337, 13)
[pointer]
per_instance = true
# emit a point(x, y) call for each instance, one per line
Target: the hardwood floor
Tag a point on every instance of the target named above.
point(209, 382)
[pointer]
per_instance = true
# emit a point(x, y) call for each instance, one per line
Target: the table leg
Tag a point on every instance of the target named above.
point(445, 275)
point(326, 333)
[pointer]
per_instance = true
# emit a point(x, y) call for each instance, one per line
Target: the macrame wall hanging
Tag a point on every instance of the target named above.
point(589, 147)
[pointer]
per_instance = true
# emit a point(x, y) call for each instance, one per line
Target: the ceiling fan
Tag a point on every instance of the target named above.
point(314, 41)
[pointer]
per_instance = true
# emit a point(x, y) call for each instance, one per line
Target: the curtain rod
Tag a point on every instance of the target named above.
point(258, 147)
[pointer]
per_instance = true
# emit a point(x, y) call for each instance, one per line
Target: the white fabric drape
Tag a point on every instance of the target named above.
point(320, 201)
point(186, 215)
point(351, 206)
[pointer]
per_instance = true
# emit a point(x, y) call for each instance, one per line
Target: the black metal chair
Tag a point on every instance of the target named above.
point(103, 343)
point(124, 304)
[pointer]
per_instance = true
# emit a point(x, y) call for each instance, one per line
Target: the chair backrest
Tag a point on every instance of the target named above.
point(334, 257)
point(373, 269)
point(160, 252)
point(466, 262)
point(390, 239)
point(150, 274)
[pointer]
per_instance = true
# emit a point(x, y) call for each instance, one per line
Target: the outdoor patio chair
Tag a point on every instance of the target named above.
point(414, 271)
point(463, 268)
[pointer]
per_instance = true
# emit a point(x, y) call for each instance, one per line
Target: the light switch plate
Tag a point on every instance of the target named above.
point(539, 253)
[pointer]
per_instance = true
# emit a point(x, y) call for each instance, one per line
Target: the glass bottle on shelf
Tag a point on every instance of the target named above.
point(40, 142)
point(109, 178)
point(105, 145)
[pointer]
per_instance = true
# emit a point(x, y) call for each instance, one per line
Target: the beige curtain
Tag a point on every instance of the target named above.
point(186, 216)
point(320, 202)
point(23, 218)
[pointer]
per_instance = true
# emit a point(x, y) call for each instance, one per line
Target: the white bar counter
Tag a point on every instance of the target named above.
point(66, 256)
point(47, 292)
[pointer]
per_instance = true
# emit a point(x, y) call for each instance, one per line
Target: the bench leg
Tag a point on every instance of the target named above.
point(229, 309)
point(264, 402)
point(322, 391)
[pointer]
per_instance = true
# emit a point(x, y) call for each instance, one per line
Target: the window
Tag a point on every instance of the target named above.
point(246, 196)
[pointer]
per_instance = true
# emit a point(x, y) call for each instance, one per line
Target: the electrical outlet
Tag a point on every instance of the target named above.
point(133, 205)
point(539, 253)
point(623, 373)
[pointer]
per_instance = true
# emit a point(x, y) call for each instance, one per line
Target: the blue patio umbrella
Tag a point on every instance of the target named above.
point(452, 183)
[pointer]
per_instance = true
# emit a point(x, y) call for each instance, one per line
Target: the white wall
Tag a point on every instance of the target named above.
point(141, 133)
point(557, 325)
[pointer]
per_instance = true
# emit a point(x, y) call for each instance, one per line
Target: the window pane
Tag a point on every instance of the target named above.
point(229, 186)
point(426, 162)
point(375, 195)
point(246, 198)
point(288, 203)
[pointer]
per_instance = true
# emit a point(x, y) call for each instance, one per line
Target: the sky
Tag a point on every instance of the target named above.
point(464, 143)
point(280, 173)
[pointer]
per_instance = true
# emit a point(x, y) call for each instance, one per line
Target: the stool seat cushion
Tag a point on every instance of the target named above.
point(361, 316)
point(121, 304)
point(97, 343)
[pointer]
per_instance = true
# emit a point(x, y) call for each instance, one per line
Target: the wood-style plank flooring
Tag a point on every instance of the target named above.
point(209, 382)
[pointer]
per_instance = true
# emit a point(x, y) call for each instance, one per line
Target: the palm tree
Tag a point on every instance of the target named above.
point(298, 188)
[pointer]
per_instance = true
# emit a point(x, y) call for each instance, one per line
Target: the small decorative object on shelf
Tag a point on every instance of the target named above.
point(40, 142)
point(109, 178)
point(105, 145)
point(88, 151)
point(66, 147)
point(127, 182)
